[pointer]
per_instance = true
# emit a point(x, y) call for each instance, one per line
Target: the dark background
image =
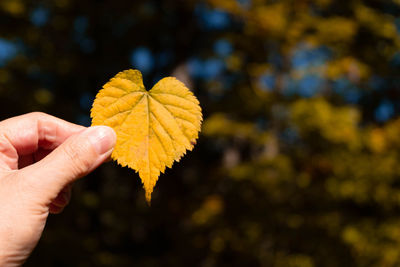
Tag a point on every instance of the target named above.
point(298, 160)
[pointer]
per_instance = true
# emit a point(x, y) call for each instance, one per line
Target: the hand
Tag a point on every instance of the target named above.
point(40, 157)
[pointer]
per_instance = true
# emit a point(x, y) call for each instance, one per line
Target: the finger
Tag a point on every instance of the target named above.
point(26, 160)
point(23, 135)
point(63, 197)
point(53, 209)
point(26, 133)
point(61, 201)
point(76, 157)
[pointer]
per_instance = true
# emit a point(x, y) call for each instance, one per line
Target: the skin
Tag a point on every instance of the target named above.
point(40, 157)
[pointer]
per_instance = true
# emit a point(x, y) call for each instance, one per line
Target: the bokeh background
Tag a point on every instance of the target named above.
point(298, 162)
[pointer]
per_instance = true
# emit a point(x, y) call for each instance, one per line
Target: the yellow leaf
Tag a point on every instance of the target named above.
point(154, 128)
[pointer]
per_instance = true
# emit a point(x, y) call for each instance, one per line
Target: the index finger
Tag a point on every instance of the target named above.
point(27, 133)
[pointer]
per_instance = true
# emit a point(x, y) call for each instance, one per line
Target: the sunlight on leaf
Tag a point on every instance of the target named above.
point(154, 128)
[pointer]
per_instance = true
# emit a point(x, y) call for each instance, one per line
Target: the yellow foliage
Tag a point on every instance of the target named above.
point(229, 5)
point(234, 62)
point(271, 18)
point(211, 207)
point(364, 238)
point(14, 7)
point(293, 260)
point(4, 75)
point(348, 66)
point(336, 124)
point(220, 125)
point(377, 140)
point(296, 30)
point(43, 96)
point(154, 128)
point(382, 25)
point(352, 235)
point(392, 133)
point(336, 29)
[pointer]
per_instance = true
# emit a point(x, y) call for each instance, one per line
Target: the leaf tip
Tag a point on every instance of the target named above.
point(148, 197)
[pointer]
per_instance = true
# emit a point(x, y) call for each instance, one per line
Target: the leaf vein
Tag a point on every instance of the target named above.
point(165, 130)
point(173, 117)
point(159, 140)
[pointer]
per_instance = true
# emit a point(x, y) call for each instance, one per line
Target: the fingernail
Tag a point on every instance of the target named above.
point(103, 138)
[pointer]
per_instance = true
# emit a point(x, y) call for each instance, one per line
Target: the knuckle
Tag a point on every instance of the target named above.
point(37, 114)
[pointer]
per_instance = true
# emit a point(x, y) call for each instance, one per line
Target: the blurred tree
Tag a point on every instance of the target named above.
point(298, 162)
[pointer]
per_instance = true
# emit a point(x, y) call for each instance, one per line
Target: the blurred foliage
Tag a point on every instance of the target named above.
point(297, 164)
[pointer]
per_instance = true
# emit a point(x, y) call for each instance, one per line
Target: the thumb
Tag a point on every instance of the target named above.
point(73, 159)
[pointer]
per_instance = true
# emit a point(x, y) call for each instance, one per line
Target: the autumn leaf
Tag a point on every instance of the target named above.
point(154, 128)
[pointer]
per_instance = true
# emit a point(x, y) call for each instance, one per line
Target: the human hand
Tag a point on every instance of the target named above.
point(40, 157)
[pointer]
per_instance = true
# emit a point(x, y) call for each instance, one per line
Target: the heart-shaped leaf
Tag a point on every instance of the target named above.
point(154, 128)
